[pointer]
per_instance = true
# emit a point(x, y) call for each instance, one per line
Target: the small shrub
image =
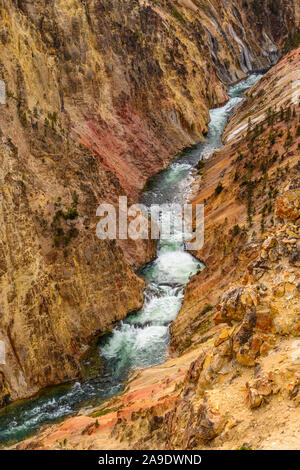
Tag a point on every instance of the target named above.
point(236, 230)
point(177, 15)
point(207, 308)
point(219, 188)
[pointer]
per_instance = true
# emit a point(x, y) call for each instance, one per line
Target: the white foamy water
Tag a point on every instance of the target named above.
point(142, 339)
point(159, 310)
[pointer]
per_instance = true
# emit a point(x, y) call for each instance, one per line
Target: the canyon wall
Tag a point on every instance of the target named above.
point(233, 381)
point(239, 186)
point(100, 95)
point(136, 78)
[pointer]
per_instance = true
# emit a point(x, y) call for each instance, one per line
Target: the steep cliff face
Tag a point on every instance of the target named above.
point(59, 284)
point(237, 335)
point(261, 152)
point(100, 96)
point(136, 79)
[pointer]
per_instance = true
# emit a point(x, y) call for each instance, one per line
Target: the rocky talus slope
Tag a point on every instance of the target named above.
point(234, 379)
point(100, 96)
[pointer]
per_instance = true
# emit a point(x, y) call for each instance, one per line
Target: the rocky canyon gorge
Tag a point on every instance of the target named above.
point(100, 97)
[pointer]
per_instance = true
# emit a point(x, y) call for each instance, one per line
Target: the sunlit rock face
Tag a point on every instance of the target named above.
point(136, 78)
point(100, 96)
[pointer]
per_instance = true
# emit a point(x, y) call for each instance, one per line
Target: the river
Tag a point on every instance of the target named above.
point(142, 339)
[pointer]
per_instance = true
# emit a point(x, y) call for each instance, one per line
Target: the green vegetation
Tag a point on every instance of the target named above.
point(207, 308)
point(236, 230)
point(21, 112)
point(274, 7)
point(71, 214)
point(288, 113)
point(52, 117)
point(270, 116)
point(103, 412)
point(289, 139)
point(63, 443)
point(250, 188)
point(219, 188)
point(200, 166)
point(60, 236)
point(292, 41)
point(177, 15)
point(256, 6)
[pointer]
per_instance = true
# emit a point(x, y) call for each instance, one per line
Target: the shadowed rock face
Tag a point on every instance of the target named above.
point(101, 95)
